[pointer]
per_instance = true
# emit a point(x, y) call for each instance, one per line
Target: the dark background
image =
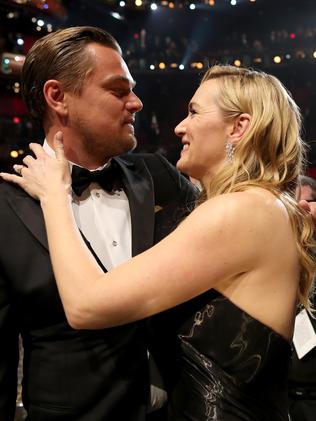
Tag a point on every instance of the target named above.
point(253, 32)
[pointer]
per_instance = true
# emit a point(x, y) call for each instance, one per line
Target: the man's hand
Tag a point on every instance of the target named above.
point(310, 207)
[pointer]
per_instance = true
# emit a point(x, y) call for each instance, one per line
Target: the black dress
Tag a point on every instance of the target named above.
point(223, 364)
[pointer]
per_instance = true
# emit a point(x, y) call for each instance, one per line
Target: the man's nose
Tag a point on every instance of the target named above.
point(134, 104)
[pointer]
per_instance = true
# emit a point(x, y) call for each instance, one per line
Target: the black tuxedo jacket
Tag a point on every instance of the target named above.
point(98, 375)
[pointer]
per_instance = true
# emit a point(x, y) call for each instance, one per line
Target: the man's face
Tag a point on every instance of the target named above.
point(101, 118)
point(305, 193)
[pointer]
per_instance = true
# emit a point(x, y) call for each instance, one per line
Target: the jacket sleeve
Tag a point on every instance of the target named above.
point(9, 352)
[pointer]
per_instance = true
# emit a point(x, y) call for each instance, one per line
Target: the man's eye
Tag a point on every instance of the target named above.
point(120, 93)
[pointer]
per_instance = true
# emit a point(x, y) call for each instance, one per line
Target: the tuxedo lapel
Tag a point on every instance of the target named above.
point(138, 186)
point(29, 212)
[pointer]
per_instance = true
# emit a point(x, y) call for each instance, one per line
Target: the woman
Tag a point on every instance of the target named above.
point(238, 265)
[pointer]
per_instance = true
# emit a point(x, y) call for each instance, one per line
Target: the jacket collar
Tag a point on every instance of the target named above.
point(139, 190)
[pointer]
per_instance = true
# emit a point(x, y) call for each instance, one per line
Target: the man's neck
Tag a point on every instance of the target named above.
point(72, 147)
point(50, 151)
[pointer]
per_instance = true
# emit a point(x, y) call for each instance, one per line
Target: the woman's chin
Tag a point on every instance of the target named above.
point(182, 166)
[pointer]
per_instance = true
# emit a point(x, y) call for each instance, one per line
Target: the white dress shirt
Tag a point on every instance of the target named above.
point(105, 221)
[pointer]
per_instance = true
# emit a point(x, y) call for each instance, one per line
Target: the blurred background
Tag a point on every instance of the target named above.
point(167, 45)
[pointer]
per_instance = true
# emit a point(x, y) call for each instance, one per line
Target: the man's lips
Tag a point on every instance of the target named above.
point(130, 120)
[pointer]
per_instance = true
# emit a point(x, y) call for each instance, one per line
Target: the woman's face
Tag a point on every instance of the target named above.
point(203, 133)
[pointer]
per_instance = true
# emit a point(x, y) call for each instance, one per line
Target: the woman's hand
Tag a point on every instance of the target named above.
point(44, 177)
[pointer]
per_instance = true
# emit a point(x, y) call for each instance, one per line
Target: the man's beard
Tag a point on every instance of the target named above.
point(105, 149)
point(102, 148)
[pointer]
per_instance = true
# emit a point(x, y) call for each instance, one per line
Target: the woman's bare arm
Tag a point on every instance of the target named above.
point(211, 245)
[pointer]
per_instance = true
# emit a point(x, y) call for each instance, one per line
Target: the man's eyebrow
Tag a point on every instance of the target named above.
point(114, 79)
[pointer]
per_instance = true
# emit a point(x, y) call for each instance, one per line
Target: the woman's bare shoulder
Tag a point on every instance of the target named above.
point(253, 204)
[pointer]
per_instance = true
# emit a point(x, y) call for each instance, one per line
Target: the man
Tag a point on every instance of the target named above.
point(302, 375)
point(76, 81)
point(307, 189)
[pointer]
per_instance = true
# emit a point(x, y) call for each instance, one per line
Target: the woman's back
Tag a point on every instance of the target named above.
point(268, 290)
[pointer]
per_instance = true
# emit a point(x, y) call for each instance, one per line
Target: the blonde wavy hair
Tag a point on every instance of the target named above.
point(270, 155)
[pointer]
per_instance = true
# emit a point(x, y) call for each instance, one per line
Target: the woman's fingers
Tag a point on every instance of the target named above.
point(59, 146)
point(12, 178)
point(37, 149)
point(27, 161)
point(18, 168)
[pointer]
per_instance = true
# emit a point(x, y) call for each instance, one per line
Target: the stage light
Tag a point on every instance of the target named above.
point(14, 154)
point(49, 27)
point(138, 3)
point(16, 120)
point(152, 67)
point(20, 41)
point(38, 28)
point(171, 5)
point(237, 63)
point(277, 59)
point(292, 35)
point(122, 3)
point(192, 6)
point(116, 15)
point(181, 67)
point(162, 65)
point(233, 2)
point(173, 65)
point(153, 6)
point(40, 22)
point(288, 56)
point(211, 2)
point(197, 65)
point(314, 54)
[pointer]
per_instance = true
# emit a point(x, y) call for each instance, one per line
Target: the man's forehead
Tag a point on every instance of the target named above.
point(112, 79)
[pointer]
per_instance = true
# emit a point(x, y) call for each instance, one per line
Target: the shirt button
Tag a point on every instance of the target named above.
point(97, 194)
point(114, 243)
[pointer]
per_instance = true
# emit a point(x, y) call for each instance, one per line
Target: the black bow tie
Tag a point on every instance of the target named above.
point(109, 178)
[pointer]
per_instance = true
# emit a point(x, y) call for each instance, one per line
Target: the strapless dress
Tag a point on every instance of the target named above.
point(222, 364)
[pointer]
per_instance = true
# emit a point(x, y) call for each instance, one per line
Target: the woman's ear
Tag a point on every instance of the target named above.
point(240, 126)
point(55, 97)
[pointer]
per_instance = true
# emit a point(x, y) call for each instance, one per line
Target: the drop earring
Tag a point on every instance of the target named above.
point(230, 149)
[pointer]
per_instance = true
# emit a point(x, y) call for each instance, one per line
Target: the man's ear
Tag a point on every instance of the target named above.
point(239, 128)
point(55, 97)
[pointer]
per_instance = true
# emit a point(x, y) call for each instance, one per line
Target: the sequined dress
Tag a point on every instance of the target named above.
point(224, 364)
